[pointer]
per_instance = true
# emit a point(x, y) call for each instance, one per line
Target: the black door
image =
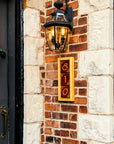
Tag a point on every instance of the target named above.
point(7, 71)
point(3, 73)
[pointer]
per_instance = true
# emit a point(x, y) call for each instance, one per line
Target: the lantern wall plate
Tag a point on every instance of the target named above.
point(66, 79)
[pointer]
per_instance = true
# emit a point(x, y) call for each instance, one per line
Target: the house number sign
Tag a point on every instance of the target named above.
point(66, 79)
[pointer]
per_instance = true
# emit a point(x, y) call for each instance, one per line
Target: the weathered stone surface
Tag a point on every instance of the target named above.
point(96, 62)
point(31, 22)
point(33, 108)
point(41, 56)
point(100, 98)
point(88, 6)
point(95, 127)
point(32, 80)
point(100, 30)
point(31, 133)
point(35, 4)
point(31, 50)
point(94, 142)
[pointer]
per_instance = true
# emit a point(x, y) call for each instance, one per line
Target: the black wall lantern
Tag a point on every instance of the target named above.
point(58, 27)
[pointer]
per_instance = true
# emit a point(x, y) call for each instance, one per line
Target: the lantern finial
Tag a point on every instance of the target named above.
point(58, 4)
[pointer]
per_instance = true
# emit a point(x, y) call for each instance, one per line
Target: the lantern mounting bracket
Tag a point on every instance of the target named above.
point(68, 11)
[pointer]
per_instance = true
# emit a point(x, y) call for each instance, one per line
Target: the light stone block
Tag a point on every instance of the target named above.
point(31, 22)
point(31, 50)
point(94, 142)
point(36, 4)
point(41, 57)
point(33, 108)
point(100, 98)
point(32, 80)
point(89, 6)
point(96, 63)
point(100, 30)
point(31, 133)
point(95, 127)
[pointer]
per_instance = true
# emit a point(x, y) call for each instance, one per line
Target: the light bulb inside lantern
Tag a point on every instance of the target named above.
point(52, 32)
point(63, 31)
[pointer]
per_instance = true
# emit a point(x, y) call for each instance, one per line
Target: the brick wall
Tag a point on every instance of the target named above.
point(60, 122)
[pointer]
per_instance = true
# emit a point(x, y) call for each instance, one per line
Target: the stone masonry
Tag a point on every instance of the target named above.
point(34, 58)
point(90, 118)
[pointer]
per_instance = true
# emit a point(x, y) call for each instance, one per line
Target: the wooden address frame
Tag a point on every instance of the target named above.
point(66, 79)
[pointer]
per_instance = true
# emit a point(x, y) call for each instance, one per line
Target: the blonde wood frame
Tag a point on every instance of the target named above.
point(71, 60)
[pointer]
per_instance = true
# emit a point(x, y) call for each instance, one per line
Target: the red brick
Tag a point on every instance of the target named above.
point(42, 19)
point(80, 100)
point(50, 59)
point(75, 22)
point(42, 34)
point(73, 117)
point(42, 13)
point(49, 107)
point(56, 107)
point(83, 109)
point(41, 131)
point(55, 66)
point(62, 133)
point(52, 75)
point(69, 141)
point(55, 99)
point(79, 30)
point(74, 5)
point(47, 114)
point(83, 92)
point(75, 74)
point(47, 99)
point(52, 91)
point(73, 134)
point(68, 125)
point(41, 82)
point(42, 90)
point(48, 12)
point(81, 83)
point(55, 83)
point(75, 13)
point(83, 38)
point(51, 139)
point(78, 47)
point(42, 28)
point(43, 74)
point(61, 116)
point(48, 131)
point(75, 91)
point(83, 142)
point(49, 123)
point(42, 138)
point(48, 4)
point(75, 65)
point(48, 83)
point(49, 67)
point(83, 21)
point(47, 52)
point(55, 124)
point(74, 39)
point(68, 108)
point(42, 68)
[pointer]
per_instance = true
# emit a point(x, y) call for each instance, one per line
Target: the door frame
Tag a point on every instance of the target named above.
point(16, 71)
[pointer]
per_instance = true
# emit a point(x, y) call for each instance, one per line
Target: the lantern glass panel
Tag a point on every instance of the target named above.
point(57, 37)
